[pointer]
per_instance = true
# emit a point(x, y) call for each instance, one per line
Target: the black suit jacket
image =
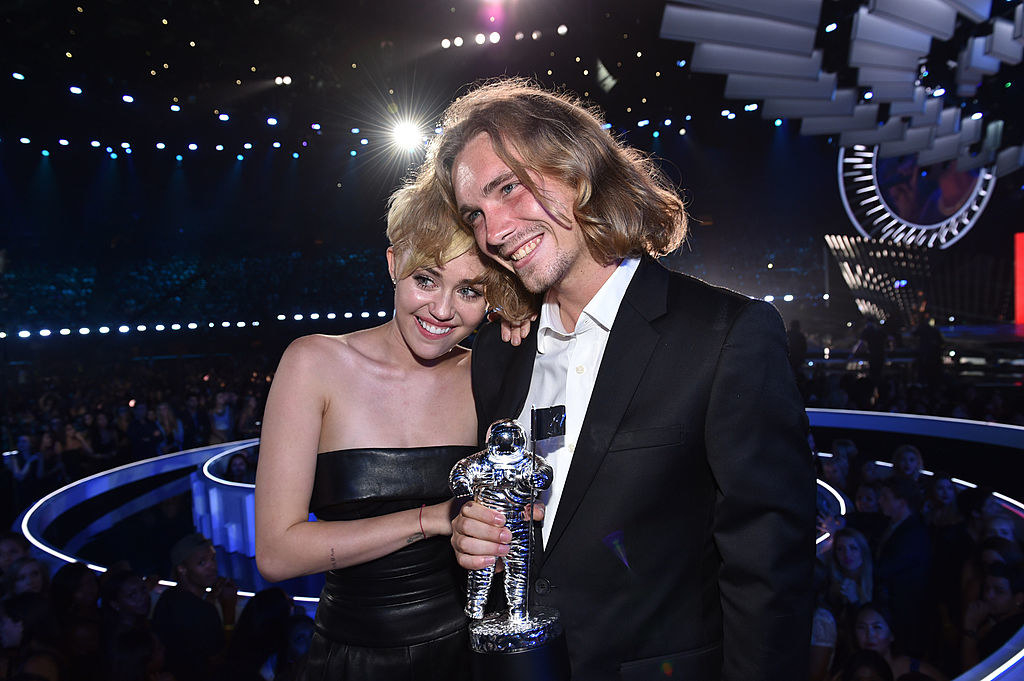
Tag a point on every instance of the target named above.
point(684, 538)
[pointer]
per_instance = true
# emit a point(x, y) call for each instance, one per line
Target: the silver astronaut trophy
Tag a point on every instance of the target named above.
point(519, 642)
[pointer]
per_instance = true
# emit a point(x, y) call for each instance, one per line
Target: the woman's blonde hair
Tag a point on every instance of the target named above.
point(425, 232)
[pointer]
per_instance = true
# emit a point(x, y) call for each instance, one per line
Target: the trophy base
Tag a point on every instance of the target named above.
point(507, 650)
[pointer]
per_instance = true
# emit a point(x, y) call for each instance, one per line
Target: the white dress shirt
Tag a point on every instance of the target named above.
point(565, 370)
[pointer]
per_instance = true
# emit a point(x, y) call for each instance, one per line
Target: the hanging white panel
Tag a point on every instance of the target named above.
point(912, 107)
point(915, 140)
point(840, 105)
point(893, 92)
point(803, 12)
point(870, 75)
point(878, 29)
point(942, 149)
point(716, 58)
point(739, 86)
point(865, 117)
point(863, 53)
point(1000, 43)
point(699, 25)
point(931, 16)
point(975, 10)
point(1009, 160)
point(894, 129)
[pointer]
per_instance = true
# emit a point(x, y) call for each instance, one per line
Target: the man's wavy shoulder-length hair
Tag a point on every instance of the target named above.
point(624, 204)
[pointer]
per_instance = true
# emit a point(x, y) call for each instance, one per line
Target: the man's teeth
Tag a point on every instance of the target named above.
point(436, 330)
point(525, 249)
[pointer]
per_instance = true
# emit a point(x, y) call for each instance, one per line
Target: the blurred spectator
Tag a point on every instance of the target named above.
point(996, 617)
point(30, 630)
point(172, 431)
point(12, 547)
point(865, 665)
point(222, 418)
point(74, 592)
point(259, 637)
point(874, 632)
point(26, 575)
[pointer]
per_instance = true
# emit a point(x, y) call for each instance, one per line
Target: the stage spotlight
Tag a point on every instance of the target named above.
point(643, 123)
point(750, 107)
point(364, 141)
point(824, 296)
point(354, 131)
point(65, 332)
point(255, 323)
point(63, 142)
point(219, 147)
point(480, 39)
point(682, 131)
point(656, 134)
point(725, 112)
point(976, 116)
point(831, 27)
point(681, 63)
point(788, 297)
point(494, 37)
point(193, 325)
point(110, 150)
point(364, 315)
point(125, 145)
point(276, 145)
point(457, 41)
point(175, 107)
point(104, 329)
point(75, 90)
point(44, 332)
point(731, 116)
point(407, 135)
point(225, 324)
point(17, 76)
point(331, 315)
point(297, 318)
point(315, 126)
point(778, 122)
point(287, 80)
point(123, 329)
point(382, 313)
point(114, 156)
point(140, 327)
point(563, 29)
point(606, 126)
point(769, 299)
point(668, 121)
point(279, 81)
point(240, 324)
point(247, 145)
point(271, 120)
point(352, 153)
point(44, 152)
point(84, 331)
point(25, 140)
point(348, 315)
point(240, 157)
point(24, 334)
point(938, 92)
point(159, 327)
point(445, 44)
point(224, 117)
point(127, 99)
point(520, 35)
point(315, 315)
point(94, 143)
point(178, 157)
point(295, 154)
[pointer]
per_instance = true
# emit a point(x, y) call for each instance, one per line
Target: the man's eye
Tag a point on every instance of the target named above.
point(507, 189)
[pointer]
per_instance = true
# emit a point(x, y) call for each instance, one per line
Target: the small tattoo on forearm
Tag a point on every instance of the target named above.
point(414, 538)
point(334, 561)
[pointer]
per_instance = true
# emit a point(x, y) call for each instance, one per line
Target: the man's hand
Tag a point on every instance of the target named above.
point(512, 332)
point(479, 535)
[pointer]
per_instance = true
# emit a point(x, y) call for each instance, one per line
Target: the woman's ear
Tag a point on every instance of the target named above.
point(391, 264)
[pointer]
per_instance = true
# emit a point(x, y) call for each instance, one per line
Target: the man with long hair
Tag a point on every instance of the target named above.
point(679, 534)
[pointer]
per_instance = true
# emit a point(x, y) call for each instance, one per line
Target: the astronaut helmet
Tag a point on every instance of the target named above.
point(506, 438)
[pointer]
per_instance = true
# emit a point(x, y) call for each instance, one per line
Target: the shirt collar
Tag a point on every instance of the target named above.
point(601, 309)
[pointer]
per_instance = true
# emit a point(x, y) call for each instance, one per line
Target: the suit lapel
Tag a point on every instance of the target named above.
point(630, 344)
point(516, 381)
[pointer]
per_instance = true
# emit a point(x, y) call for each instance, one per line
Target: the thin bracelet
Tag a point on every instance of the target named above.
point(421, 521)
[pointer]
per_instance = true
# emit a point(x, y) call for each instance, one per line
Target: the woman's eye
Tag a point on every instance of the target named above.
point(423, 280)
point(469, 292)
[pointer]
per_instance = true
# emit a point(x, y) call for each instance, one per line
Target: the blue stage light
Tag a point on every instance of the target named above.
point(17, 76)
point(44, 152)
point(655, 134)
point(271, 121)
point(295, 154)
point(606, 126)
point(75, 90)
point(224, 117)
point(113, 155)
point(110, 150)
point(681, 63)
point(177, 157)
point(355, 131)
point(240, 157)
point(778, 122)
point(352, 153)
point(127, 99)
point(128, 150)
point(175, 107)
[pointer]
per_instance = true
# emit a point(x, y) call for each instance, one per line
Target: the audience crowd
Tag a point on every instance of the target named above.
point(921, 579)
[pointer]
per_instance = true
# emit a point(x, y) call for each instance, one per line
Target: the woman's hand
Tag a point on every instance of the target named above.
point(848, 590)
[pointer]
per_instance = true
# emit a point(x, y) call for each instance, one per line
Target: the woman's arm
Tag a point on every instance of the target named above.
point(287, 543)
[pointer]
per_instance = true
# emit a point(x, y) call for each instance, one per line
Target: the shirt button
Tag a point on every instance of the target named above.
point(572, 447)
point(580, 369)
point(542, 586)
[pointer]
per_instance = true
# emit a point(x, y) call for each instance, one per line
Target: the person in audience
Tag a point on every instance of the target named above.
point(942, 506)
point(989, 551)
point(27, 574)
point(74, 592)
point(299, 635)
point(238, 469)
point(13, 546)
point(850, 583)
point(999, 614)
point(196, 423)
point(248, 423)
point(903, 560)
point(258, 636)
point(222, 418)
point(951, 547)
point(186, 618)
point(29, 629)
point(908, 463)
point(125, 601)
point(172, 432)
point(136, 654)
point(866, 516)
point(873, 631)
point(1000, 525)
point(865, 665)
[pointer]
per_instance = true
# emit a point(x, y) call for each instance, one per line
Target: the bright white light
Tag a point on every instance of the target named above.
point(123, 329)
point(277, 145)
point(725, 112)
point(682, 131)
point(364, 315)
point(255, 323)
point(62, 142)
point(407, 135)
point(94, 143)
point(457, 42)
point(976, 116)
point(731, 116)
point(219, 147)
point(127, 99)
point(750, 107)
point(247, 145)
point(331, 315)
point(494, 37)
point(788, 297)
point(445, 44)
point(668, 121)
point(25, 140)
point(315, 315)
point(240, 324)
point(175, 327)
point(563, 29)
point(281, 317)
point(159, 327)
point(75, 90)
point(831, 27)
point(193, 325)
point(939, 92)
point(225, 324)
point(224, 117)
point(84, 331)
point(287, 80)
point(480, 39)
point(125, 145)
point(641, 124)
point(869, 94)
point(271, 120)
point(536, 35)
point(175, 107)
point(520, 35)
point(315, 126)
point(382, 313)
point(824, 296)
point(348, 315)
point(140, 327)
point(65, 332)
point(193, 146)
point(279, 81)
point(24, 334)
point(17, 76)
point(769, 299)
point(297, 318)
point(364, 141)
point(44, 332)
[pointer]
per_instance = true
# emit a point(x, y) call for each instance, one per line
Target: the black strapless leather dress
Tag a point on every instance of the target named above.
point(399, 617)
